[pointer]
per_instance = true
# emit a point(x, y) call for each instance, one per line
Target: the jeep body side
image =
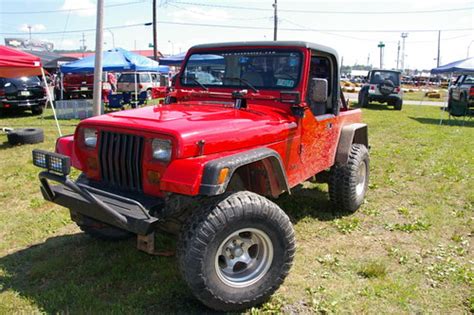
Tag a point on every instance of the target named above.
point(383, 86)
point(268, 117)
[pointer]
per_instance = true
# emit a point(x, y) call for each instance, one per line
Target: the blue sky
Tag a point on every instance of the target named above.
point(353, 35)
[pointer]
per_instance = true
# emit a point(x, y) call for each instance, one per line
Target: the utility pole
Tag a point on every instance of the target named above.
point(275, 20)
point(439, 48)
point(368, 60)
point(83, 46)
point(99, 41)
point(404, 35)
point(381, 45)
point(398, 55)
point(155, 50)
point(29, 30)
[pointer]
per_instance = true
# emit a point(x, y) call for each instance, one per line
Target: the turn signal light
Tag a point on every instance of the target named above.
point(92, 163)
point(153, 177)
point(222, 175)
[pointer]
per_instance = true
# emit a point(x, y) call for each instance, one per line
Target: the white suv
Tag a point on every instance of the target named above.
point(145, 81)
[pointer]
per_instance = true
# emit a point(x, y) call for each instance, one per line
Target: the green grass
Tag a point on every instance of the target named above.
point(407, 250)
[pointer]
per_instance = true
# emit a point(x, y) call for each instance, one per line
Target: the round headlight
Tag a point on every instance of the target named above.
point(90, 137)
point(161, 150)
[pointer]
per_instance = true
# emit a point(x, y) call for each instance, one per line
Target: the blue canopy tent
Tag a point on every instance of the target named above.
point(177, 60)
point(117, 59)
point(465, 65)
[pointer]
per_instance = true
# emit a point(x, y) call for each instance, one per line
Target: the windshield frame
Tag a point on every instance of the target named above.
point(245, 50)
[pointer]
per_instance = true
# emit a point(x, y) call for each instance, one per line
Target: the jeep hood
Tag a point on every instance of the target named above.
point(220, 126)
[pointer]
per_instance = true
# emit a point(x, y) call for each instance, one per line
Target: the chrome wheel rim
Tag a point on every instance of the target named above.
point(244, 257)
point(361, 178)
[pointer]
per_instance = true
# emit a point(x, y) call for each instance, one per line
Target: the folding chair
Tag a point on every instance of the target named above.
point(115, 101)
point(458, 110)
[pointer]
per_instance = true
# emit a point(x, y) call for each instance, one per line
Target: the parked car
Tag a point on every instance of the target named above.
point(145, 82)
point(207, 164)
point(78, 85)
point(24, 93)
point(384, 87)
point(462, 90)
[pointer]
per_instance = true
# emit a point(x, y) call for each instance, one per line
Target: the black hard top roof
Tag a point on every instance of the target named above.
point(303, 44)
point(383, 70)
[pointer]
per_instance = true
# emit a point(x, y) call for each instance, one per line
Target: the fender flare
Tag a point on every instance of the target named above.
point(272, 159)
point(353, 133)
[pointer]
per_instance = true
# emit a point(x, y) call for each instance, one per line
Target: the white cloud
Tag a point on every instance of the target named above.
point(80, 8)
point(34, 28)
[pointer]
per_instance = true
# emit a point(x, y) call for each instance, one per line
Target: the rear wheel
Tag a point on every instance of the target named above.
point(236, 251)
point(398, 104)
point(37, 110)
point(348, 183)
point(363, 99)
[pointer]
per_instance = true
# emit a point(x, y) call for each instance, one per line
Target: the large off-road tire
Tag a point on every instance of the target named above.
point(103, 231)
point(236, 250)
point(348, 183)
point(25, 136)
point(398, 104)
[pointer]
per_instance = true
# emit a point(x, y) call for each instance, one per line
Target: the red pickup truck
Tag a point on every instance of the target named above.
point(206, 164)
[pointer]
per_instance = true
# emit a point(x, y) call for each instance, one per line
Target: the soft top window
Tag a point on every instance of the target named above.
point(378, 77)
point(262, 69)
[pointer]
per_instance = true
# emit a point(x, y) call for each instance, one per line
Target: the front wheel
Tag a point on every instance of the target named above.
point(348, 183)
point(236, 251)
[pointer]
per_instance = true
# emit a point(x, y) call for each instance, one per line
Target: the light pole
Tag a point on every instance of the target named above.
point(113, 37)
point(381, 45)
point(469, 47)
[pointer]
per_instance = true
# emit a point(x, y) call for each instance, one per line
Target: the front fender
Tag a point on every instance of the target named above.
point(65, 146)
point(209, 184)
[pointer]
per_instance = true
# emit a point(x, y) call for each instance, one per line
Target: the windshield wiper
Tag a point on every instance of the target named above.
point(247, 83)
point(198, 83)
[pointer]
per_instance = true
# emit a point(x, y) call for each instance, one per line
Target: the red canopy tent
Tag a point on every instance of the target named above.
point(15, 63)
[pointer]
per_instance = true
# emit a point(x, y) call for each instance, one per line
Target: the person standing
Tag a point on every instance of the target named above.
point(112, 80)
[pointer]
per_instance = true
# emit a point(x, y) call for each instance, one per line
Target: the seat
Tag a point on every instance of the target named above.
point(458, 110)
point(115, 101)
point(254, 78)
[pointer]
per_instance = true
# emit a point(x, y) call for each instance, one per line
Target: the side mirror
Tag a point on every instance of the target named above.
point(319, 90)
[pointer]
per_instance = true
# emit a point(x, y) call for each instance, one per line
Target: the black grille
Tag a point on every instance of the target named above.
point(121, 160)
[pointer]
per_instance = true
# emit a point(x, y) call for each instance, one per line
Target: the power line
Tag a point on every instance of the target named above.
point(325, 11)
point(257, 28)
point(67, 10)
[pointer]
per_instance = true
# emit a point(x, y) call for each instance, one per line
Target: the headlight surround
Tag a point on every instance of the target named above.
point(161, 150)
point(90, 137)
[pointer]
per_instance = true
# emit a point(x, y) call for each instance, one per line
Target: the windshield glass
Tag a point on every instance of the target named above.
point(262, 69)
point(378, 77)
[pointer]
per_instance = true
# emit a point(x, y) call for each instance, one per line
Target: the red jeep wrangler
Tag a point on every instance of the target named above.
point(245, 122)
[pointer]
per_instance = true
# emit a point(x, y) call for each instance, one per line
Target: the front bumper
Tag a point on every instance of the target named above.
point(384, 98)
point(82, 199)
point(22, 103)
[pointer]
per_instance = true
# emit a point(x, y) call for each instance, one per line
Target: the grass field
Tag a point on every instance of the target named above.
point(420, 95)
point(407, 250)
